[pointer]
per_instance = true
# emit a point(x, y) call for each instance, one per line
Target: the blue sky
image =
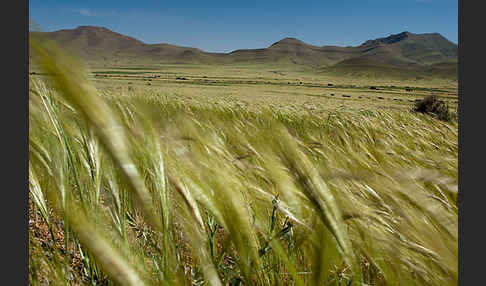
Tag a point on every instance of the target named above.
point(223, 26)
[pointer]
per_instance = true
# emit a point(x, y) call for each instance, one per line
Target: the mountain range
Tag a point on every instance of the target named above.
point(428, 54)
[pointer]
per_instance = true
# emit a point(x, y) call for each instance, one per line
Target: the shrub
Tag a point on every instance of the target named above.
point(433, 106)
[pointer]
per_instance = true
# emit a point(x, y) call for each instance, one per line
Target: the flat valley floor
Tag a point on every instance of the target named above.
point(256, 86)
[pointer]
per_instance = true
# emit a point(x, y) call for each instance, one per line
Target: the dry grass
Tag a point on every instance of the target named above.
point(153, 190)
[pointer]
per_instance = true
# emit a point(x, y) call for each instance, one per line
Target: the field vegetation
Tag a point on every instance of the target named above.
point(138, 186)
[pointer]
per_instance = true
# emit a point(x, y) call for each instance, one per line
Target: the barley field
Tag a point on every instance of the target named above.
point(134, 187)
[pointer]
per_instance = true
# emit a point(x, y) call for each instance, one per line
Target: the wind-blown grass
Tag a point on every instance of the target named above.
point(155, 192)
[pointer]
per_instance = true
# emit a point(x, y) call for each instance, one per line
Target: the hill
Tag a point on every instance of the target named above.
point(428, 54)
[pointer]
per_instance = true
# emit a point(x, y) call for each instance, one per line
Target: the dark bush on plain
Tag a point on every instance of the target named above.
point(433, 106)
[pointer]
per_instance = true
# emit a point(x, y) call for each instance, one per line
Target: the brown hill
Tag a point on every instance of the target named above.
point(423, 53)
point(407, 48)
point(291, 50)
point(93, 43)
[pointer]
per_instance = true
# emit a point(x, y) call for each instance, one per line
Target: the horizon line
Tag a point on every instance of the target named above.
point(231, 51)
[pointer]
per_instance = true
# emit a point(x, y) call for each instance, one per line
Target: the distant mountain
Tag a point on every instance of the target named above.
point(98, 43)
point(428, 54)
point(407, 48)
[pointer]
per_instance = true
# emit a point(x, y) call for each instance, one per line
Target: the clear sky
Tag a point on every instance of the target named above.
point(223, 26)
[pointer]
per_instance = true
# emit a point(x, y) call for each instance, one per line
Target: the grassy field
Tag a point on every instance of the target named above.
point(244, 179)
point(301, 91)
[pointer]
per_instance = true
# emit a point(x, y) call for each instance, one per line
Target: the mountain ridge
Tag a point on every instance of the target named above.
point(404, 50)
